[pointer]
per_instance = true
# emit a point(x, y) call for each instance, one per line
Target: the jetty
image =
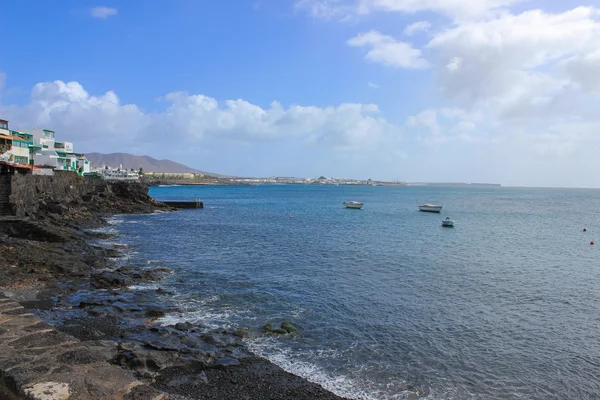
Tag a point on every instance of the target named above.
point(184, 203)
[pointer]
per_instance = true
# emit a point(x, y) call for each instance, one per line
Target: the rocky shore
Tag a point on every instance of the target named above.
point(71, 327)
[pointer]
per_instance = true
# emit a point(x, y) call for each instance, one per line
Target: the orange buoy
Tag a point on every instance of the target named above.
point(591, 243)
point(585, 230)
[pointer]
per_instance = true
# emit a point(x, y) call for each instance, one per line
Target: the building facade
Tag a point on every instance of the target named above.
point(40, 149)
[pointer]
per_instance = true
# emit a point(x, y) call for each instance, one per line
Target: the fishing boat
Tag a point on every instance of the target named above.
point(447, 222)
point(354, 204)
point(430, 208)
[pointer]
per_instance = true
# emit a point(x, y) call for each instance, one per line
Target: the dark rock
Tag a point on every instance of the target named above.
point(289, 328)
point(226, 362)
point(57, 208)
point(244, 333)
point(214, 340)
point(163, 291)
point(189, 380)
point(155, 313)
point(80, 356)
point(99, 235)
point(107, 280)
point(183, 326)
point(142, 392)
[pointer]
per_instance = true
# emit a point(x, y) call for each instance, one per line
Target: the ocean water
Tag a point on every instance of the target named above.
point(505, 305)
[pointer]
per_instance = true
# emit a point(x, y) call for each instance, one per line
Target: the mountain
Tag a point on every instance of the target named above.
point(148, 163)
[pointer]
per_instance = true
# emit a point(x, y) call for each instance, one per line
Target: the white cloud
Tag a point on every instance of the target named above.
point(511, 61)
point(325, 9)
point(102, 123)
point(388, 51)
point(583, 70)
point(103, 12)
point(435, 127)
point(417, 27)
point(458, 9)
point(373, 85)
point(455, 9)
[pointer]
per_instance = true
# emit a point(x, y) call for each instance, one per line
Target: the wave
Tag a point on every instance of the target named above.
point(339, 384)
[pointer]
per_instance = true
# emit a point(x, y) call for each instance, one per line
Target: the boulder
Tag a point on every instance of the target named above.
point(107, 280)
point(183, 326)
point(155, 313)
point(289, 328)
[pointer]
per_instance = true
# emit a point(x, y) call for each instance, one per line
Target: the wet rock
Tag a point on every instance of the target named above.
point(155, 313)
point(289, 328)
point(269, 330)
point(183, 326)
point(140, 359)
point(108, 280)
point(214, 340)
point(163, 291)
point(99, 235)
point(244, 333)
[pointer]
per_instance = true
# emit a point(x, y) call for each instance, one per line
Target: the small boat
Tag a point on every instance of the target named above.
point(354, 204)
point(447, 222)
point(430, 208)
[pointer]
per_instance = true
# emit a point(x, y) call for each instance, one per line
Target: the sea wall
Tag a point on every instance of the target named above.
point(32, 195)
point(67, 194)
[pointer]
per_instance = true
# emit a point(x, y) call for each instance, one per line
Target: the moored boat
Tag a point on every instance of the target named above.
point(447, 222)
point(354, 204)
point(430, 208)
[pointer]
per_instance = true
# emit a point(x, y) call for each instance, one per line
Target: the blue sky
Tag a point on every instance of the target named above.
point(434, 90)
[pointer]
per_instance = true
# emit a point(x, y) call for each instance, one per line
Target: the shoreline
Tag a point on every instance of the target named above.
point(59, 273)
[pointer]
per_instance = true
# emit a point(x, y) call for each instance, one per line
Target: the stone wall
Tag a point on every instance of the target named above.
point(5, 189)
point(32, 194)
point(66, 197)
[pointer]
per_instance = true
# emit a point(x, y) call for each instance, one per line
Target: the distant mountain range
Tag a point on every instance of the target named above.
point(147, 163)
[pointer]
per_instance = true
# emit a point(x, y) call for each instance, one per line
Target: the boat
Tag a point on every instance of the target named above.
point(447, 222)
point(430, 208)
point(354, 204)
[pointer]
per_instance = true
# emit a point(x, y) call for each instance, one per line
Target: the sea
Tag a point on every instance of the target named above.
point(390, 304)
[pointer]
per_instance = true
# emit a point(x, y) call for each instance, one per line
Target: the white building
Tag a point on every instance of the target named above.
point(48, 152)
point(14, 145)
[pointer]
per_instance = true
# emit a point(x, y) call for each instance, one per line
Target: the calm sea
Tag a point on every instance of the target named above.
point(504, 305)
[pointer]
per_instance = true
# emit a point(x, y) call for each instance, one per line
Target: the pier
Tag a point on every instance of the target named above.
point(184, 203)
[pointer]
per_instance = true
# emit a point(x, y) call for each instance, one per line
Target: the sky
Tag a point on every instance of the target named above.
point(499, 91)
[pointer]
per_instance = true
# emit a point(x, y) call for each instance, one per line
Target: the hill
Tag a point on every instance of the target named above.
point(148, 163)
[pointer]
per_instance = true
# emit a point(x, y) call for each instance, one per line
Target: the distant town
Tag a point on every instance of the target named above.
point(39, 152)
point(203, 179)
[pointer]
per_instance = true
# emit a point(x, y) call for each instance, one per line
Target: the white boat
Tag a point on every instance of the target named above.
point(447, 222)
point(354, 204)
point(430, 208)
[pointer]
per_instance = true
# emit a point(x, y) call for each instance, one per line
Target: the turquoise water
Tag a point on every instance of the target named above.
point(504, 305)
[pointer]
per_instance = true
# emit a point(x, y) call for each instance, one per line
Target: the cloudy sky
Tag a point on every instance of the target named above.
point(502, 91)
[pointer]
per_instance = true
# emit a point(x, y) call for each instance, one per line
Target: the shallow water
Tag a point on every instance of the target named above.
point(503, 305)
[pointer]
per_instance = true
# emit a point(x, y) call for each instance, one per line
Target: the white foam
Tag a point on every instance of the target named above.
point(145, 286)
point(115, 220)
point(338, 384)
